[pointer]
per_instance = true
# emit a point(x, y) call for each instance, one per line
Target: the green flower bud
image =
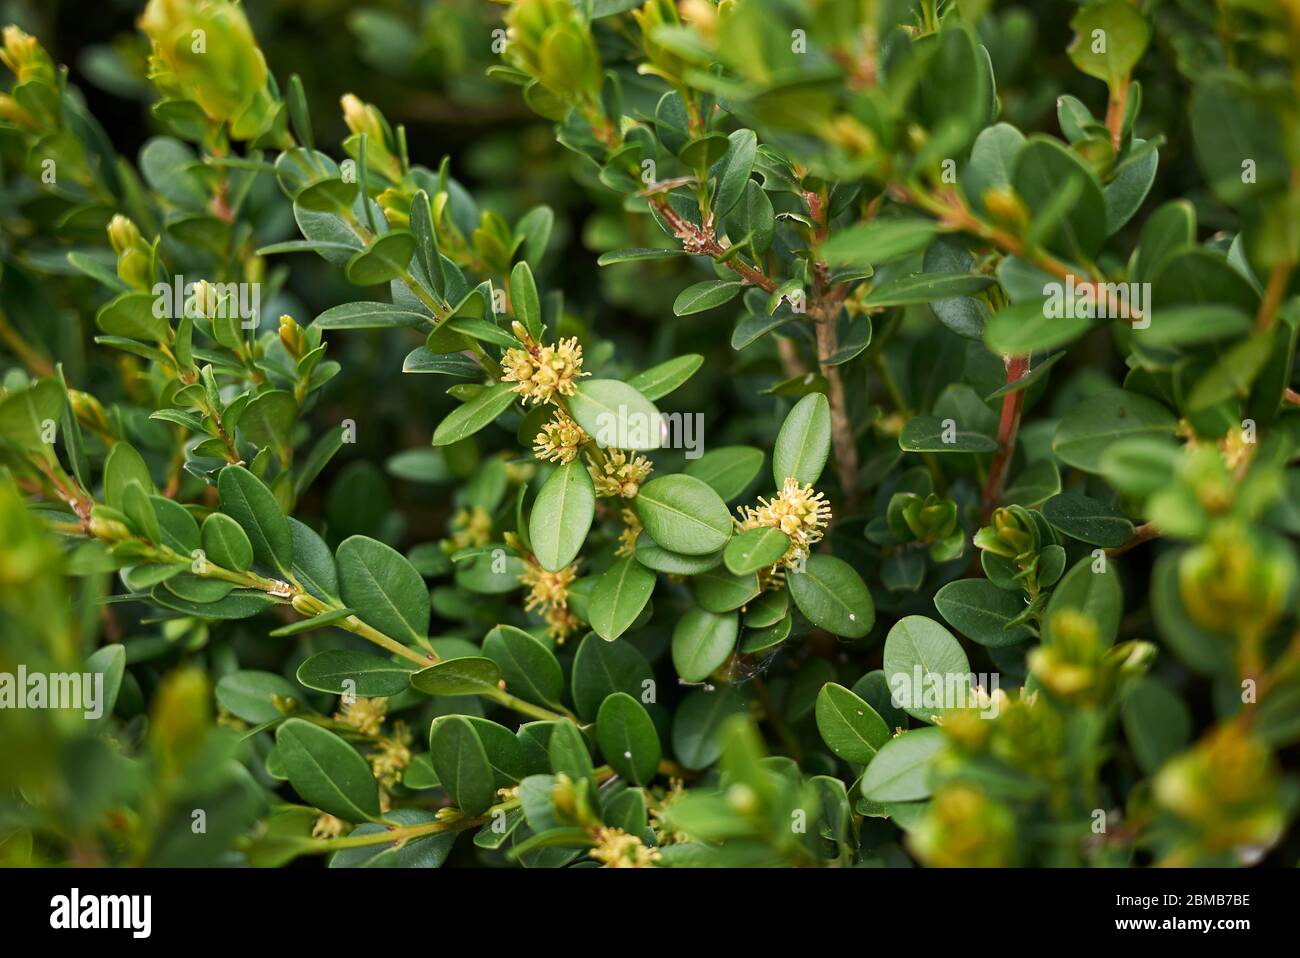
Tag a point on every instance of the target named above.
point(206, 52)
point(964, 828)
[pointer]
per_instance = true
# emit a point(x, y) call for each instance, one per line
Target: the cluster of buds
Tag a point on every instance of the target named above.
point(33, 69)
point(618, 475)
point(964, 828)
point(1075, 665)
point(661, 61)
point(560, 440)
point(135, 257)
point(365, 118)
point(551, 42)
point(799, 511)
point(548, 595)
point(541, 373)
point(1228, 793)
point(1019, 535)
point(1237, 582)
point(929, 520)
point(204, 51)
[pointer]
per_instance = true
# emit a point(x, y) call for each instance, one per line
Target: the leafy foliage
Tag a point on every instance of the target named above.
point(1013, 328)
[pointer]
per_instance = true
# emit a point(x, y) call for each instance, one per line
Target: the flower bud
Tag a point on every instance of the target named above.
point(1006, 208)
point(292, 338)
point(23, 55)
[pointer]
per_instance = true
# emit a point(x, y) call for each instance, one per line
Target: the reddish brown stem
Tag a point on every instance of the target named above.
point(1008, 427)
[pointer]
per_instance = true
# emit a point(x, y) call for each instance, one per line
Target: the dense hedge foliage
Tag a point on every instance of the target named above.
point(913, 482)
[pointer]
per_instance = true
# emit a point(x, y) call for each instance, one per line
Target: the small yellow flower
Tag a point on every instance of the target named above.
point(364, 715)
point(615, 848)
point(392, 756)
point(618, 475)
point(471, 527)
point(631, 530)
point(327, 826)
point(798, 511)
point(559, 440)
point(540, 373)
point(561, 623)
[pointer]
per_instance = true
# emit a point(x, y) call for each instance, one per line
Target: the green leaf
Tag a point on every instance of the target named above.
point(268, 418)
point(926, 288)
point(683, 514)
point(469, 418)
point(935, 434)
point(729, 470)
point(705, 295)
point(981, 611)
point(852, 728)
point(900, 772)
point(733, 170)
point(472, 675)
point(250, 695)
point(226, 543)
point(702, 641)
point(698, 721)
point(562, 515)
point(327, 772)
point(602, 668)
point(131, 315)
point(877, 241)
point(917, 642)
point(371, 316)
point(615, 415)
point(122, 465)
point(524, 301)
point(721, 591)
point(429, 851)
point(755, 549)
point(804, 442)
point(1024, 328)
point(529, 667)
point(1157, 723)
point(342, 671)
point(1087, 520)
point(1100, 420)
point(619, 597)
point(1097, 595)
point(1043, 168)
point(1109, 39)
point(246, 500)
point(833, 596)
point(385, 260)
point(628, 739)
point(384, 589)
point(658, 381)
point(461, 764)
point(658, 559)
point(568, 753)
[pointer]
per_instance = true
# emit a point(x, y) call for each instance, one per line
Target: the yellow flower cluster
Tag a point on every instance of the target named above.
point(631, 530)
point(615, 848)
point(471, 527)
point(798, 511)
point(364, 715)
point(619, 475)
point(549, 596)
point(392, 756)
point(559, 440)
point(540, 373)
point(327, 826)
